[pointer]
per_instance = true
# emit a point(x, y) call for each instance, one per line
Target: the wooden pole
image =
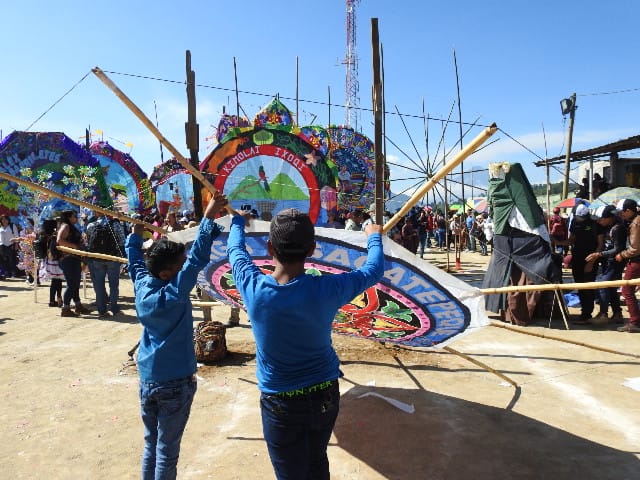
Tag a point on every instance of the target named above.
point(377, 122)
point(481, 365)
point(567, 158)
point(96, 208)
point(152, 128)
point(448, 167)
point(192, 134)
point(84, 253)
point(235, 76)
point(561, 286)
point(573, 342)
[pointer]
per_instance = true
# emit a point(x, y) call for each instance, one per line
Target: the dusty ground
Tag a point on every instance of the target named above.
point(69, 403)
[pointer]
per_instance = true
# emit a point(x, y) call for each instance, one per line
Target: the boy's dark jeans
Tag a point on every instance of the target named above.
point(165, 408)
point(297, 431)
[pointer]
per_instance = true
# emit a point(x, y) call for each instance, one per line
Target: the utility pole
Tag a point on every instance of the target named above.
point(568, 105)
point(192, 133)
point(377, 122)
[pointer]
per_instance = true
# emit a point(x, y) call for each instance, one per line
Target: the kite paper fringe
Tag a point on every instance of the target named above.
point(405, 407)
point(573, 342)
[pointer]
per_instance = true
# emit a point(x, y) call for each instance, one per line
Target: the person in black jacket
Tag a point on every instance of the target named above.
point(614, 240)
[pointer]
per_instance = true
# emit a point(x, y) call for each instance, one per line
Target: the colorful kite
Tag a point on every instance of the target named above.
point(129, 186)
point(416, 304)
point(173, 187)
point(45, 152)
point(274, 166)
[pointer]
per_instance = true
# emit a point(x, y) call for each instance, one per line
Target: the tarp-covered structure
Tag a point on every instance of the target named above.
point(521, 249)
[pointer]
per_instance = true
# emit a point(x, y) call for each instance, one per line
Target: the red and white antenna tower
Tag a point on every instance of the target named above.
point(352, 101)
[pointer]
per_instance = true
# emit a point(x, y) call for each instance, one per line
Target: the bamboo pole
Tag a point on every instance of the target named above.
point(573, 342)
point(84, 253)
point(561, 286)
point(96, 208)
point(481, 365)
point(449, 166)
point(152, 128)
point(197, 303)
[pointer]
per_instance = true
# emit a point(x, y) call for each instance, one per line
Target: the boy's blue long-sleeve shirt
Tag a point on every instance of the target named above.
point(292, 322)
point(164, 309)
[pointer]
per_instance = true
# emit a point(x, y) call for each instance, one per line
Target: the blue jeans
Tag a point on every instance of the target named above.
point(165, 409)
point(297, 431)
point(609, 270)
point(72, 268)
point(422, 238)
point(101, 269)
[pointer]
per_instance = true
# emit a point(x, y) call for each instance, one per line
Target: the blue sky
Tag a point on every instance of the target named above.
point(516, 61)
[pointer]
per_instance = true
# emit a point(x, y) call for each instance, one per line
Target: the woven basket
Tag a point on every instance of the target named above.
point(210, 342)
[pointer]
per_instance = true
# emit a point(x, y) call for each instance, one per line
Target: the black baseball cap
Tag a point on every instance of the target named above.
point(605, 211)
point(292, 232)
point(627, 204)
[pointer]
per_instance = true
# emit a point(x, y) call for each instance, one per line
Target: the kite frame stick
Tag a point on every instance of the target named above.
point(561, 286)
point(97, 71)
point(95, 208)
point(84, 253)
point(450, 165)
point(573, 342)
point(480, 364)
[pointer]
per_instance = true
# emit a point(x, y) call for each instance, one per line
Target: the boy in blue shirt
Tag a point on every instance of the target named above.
point(166, 357)
point(291, 315)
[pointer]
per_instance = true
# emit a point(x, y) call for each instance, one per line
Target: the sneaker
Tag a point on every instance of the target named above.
point(617, 317)
point(600, 319)
point(67, 312)
point(82, 310)
point(104, 315)
point(53, 304)
point(629, 328)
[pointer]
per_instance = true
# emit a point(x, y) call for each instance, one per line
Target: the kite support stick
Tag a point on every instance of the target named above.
point(448, 167)
point(197, 303)
point(80, 203)
point(481, 365)
point(561, 286)
point(97, 71)
point(573, 342)
point(83, 253)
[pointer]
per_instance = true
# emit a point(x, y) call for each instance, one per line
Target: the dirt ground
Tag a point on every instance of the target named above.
point(69, 402)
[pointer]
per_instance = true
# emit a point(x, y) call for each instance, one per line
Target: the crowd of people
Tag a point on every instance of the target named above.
point(422, 229)
point(601, 244)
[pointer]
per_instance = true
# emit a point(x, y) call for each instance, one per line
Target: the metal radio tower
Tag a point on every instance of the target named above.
point(352, 105)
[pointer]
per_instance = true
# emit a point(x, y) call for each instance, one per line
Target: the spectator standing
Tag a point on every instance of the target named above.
point(71, 265)
point(8, 239)
point(631, 256)
point(615, 240)
point(583, 236)
point(105, 236)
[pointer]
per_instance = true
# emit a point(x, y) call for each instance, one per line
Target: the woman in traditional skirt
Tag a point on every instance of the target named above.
point(50, 268)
